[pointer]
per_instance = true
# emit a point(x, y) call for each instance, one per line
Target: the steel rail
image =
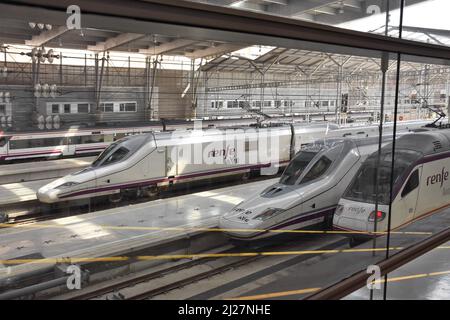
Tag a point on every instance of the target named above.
point(90, 293)
point(192, 279)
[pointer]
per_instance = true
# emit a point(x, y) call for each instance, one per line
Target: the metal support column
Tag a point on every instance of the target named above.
point(60, 69)
point(153, 78)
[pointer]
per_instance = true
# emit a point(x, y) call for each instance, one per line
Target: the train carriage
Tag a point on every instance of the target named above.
point(157, 162)
point(421, 184)
point(307, 192)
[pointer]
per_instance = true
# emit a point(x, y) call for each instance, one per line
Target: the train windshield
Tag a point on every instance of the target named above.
point(120, 150)
point(363, 187)
point(296, 167)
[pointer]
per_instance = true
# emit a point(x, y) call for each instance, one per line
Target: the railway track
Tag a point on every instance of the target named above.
point(30, 218)
point(223, 267)
point(176, 275)
point(127, 281)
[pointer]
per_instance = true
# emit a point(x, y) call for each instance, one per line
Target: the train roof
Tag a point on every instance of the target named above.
point(358, 142)
point(426, 142)
point(246, 122)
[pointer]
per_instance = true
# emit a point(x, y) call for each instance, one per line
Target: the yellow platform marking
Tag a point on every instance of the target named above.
point(310, 290)
point(190, 256)
point(197, 229)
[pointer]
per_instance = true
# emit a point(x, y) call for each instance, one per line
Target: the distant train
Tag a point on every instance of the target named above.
point(145, 163)
point(328, 104)
point(307, 192)
point(62, 143)
point(253, 104)
point(83, 141)
point(421, 185)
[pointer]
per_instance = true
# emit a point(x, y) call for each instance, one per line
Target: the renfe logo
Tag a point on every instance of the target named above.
point(225, 153)
point(438, 178)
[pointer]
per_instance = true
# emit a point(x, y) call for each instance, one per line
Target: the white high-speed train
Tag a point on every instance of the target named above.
point(145, 163)
point(307, 192)
point(421, 185)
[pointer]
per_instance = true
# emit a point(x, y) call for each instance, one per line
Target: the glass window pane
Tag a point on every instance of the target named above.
point(83, 108)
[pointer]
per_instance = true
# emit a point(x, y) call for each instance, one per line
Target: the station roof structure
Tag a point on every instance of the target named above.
point(220, 54)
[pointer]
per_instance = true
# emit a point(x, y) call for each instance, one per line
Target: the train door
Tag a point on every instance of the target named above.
point(171, 161)
point(69, 148)
point(407, 199)
point(72, 143)
point(3, 146)
point(64, 146)
point(157, 163)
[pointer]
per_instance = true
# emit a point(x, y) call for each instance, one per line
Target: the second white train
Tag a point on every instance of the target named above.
point(148, 162)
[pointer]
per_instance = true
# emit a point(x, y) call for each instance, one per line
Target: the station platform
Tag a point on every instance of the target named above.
point(15, 193)
point(113, 231)
point(30, 171)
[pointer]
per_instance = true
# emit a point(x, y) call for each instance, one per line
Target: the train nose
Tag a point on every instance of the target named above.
point(47, 195)
point(238, 227)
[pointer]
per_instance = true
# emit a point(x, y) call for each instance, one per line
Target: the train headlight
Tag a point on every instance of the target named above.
point(268, 214)
point(379, 215)
point(67, 184)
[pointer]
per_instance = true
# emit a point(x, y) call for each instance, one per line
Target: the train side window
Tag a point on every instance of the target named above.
point(46, 142)
point(318, 169)
point(75, 140)
point(95, 138)
point(413, 183)
point(19, 144)
point(36, 143)
point(50, 142)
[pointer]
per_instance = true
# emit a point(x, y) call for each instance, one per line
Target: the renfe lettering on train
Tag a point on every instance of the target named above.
point(438, 178)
